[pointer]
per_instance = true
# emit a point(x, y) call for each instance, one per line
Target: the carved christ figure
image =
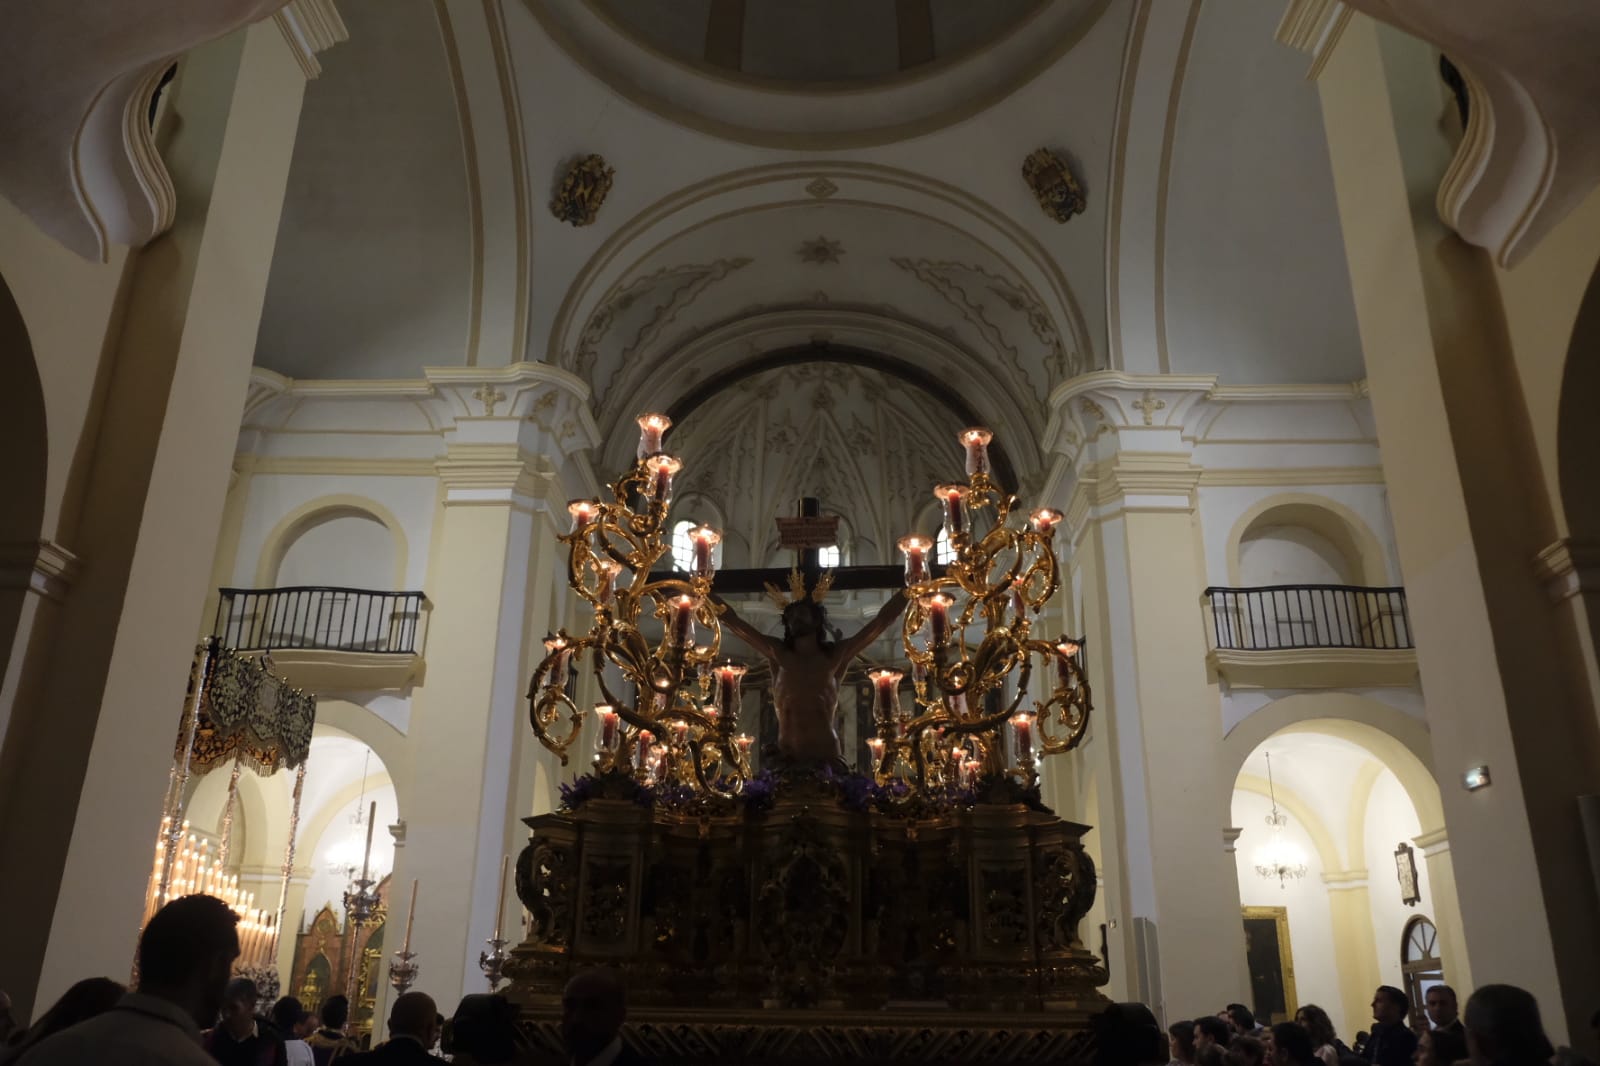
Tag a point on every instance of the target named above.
point(807, 666)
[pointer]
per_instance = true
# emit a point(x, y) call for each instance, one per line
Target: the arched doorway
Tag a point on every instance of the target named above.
point(1419, 958)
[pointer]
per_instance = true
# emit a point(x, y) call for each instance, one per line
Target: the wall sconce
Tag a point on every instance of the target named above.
point(1475, 778)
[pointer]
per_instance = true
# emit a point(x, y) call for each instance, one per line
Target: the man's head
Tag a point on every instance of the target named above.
point(239, 1007)
point(335, 1012)
point(415, 1015)
point(804, 618)
point(1211, 1030)
point(1390, 1006)
point(1503, 1026)
point(186, 953)
point(288, 1017)
point(1291, 1045)
point(593, 1008)
point(1241, 1019)
point(1440, 1003)
point(485, 1027)
point(1127, 1034)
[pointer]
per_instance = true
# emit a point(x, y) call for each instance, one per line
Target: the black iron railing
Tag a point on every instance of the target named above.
point(1270, 617)
point(319, 619)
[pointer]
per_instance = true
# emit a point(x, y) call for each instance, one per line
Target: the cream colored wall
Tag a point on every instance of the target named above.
point(1389, 822)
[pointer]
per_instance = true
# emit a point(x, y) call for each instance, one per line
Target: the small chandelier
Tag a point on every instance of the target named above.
point(1278, 858)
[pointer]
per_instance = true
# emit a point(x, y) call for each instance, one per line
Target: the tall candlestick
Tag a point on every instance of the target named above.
point(500, 903)
point(915, 549)
point(366, 859)
point(651, 427)
point(704, 539)
point(976, 440)
point(954, 499)
point(411, 916)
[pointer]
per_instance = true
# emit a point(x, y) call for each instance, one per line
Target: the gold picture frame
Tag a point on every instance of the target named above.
point(1264, 985)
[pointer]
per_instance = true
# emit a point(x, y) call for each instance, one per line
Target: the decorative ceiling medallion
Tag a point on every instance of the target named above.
point(821, 188)
point(582, 191)
point(820, 250)
point(1058, 192)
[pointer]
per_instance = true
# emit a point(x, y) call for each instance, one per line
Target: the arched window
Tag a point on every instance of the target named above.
point(943, 551)
point(828, 557)
point(1419, 958)
point(682, 544)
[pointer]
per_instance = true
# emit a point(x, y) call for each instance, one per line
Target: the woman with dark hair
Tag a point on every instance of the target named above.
point(1246, 1051)
point(1440, 1047)
point(84, 1000)
point(1180, 1041)
point(1315, 1021)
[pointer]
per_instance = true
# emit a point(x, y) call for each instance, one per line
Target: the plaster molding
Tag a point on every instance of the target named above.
point(493, 474)
point(311, 27)
point(1529, 154)
point(1313, 668)
point(1230, 838)
point(42, 567)
point(1292, 476)
point(335, 466)
point(1313, 27)
point(1344, 880)
point(1432, 842)
point(1569, 567)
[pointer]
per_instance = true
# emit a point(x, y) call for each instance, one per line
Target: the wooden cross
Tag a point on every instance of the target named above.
point(804, 539)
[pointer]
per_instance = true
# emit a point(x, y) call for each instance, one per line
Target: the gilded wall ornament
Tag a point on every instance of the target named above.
point(582, 191)
point(1058, 192)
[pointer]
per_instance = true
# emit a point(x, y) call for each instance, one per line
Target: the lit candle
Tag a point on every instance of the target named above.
point(969, 772)
point(680, 732)
point(661, 468)
point(958, 755)
point(583, 512)
point(683, 620)
point(728, 679)
point(641, 748)
point(557, 646)
point(876, 746)
point(609, 569)
point(651, 427)
point(915, 549)
point(411, 917)
point(958, 704)
point(919, 672)
point(704, 539)
point(1066, 651)
point(1022, 733)
point(954, 498)
point(500, 903)
point(885, 693)
point(1019, 597)
point(1045, 520)
point(609, 721)
point(976, 440)
point(372, 819)
point(938, 607)
point(744, 740)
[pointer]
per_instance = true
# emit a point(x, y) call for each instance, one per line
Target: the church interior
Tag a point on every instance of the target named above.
point(343, 574)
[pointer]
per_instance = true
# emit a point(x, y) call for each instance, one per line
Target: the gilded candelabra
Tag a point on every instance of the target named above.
point(999, 577)
point(680, 727)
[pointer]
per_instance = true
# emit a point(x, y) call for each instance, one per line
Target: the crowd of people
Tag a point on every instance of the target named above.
point(187, 1009)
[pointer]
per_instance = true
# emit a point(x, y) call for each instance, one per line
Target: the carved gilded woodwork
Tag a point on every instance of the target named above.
point(1053, 184)
point(583, 189)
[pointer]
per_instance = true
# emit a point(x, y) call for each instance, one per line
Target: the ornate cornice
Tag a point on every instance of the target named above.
point(1313, 27)
point(1569, 567)
point(1230, 838)
point(493, 474)
point(1432, 842)
point(1344, 880)
point(42, 567)
point(311, 27)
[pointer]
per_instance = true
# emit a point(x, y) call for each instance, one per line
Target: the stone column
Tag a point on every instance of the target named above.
point(512, 427)
point(1158, 710)
point(1435, 848)
point(1505, 683)
point(91, 743)
point(1355, 947)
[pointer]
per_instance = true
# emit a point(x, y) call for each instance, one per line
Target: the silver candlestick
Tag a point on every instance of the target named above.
point(493, 962)
point(403, 971)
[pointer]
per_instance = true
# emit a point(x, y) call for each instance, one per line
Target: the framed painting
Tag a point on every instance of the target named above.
point(1271, 963)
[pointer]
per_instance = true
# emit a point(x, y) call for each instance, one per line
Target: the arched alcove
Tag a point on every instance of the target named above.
point(1302, 537)
point(339, 540)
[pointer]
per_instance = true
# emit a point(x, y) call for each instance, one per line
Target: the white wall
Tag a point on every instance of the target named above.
point(1310, 921)
point(351, 549)
point(340, 837)
point(1291, 555)
point(1390, 820)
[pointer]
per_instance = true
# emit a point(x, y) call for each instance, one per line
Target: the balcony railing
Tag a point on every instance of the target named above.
point(319, 619)
point(1274, 617)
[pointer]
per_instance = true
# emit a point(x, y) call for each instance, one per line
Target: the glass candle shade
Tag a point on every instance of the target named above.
point(583, 513)
point(743, 741)
point(1019, 597)
point(610, 726)
point(876, 746)
point(969, 773)
point(661, 469)
point(728, 679)
point(1022, 735)
point(703, 540)
point(557, 646)
point(609, 569)
point(1044, 520)
point(885, 693)
point(651, 427)
point(1066, 651)
point(915, 549)
point(954, 500)
point(938, 607)
point(975, 440)
point(643, 741)
point(683, 608)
